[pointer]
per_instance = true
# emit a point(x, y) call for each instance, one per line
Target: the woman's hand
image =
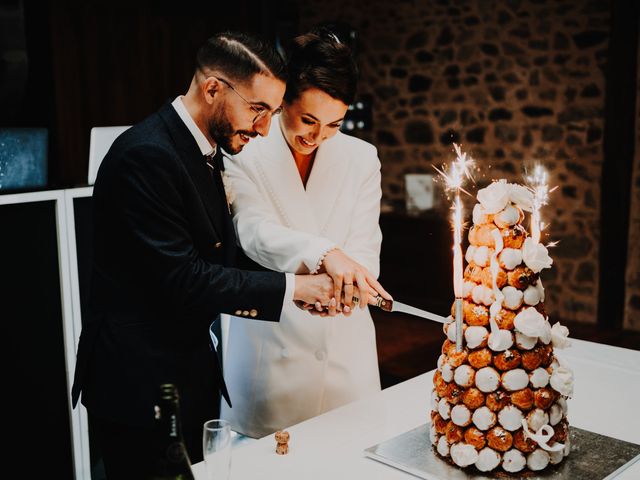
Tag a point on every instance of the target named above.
point(349, 276)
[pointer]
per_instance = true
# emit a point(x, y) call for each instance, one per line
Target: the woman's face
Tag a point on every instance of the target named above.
point(311, 119)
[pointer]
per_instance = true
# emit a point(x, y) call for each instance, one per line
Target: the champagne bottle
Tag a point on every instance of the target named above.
point(172, 462)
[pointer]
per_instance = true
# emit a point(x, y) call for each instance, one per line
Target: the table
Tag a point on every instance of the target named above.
point(331, 445)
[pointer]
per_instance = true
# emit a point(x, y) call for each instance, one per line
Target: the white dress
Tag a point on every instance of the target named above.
point(279, 374)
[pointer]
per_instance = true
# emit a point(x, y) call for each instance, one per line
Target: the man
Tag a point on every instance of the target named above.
point(164, 254)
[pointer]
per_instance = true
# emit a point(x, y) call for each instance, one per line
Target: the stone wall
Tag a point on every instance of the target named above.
point(514, 82)
point(632, 304)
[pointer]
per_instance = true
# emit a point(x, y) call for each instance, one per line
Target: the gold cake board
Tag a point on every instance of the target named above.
point(592, 457)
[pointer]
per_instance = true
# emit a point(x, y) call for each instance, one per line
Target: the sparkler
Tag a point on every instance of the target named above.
point(454, 178)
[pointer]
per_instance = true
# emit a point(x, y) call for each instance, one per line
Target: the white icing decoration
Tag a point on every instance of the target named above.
point(447, 372)
point(481, 256)
point(487, 379)
point(542, 437)
point(539, 378)
point(521, 196)
point(483, 418)
point(479, 215)
point(531, 295)
point(555, 414)
point(494, 197)
point(510, 258)
point(559, 336)
point(510, 417)
point(488, 459)
point(537, 418)
point(464, 375)
point(475, 336)
point(535, 255)
point(530, 322)
point(500, 341)
point(482, 294)
point(441, 360)
point(563, 403)
point(538, 460)
point(463, 454)
point(562, 380)
point(444, 409)
point(434, 400)
point(513, 461)
point(525, 342)
point(460, 415)
point(451, 332)
point(512, 297)
point(468, 256)
point(516, 379)
point(443, 446)
point(467, 288)
point(545, 334)
point(510, 215)
point(556, 457)
point(433, 435)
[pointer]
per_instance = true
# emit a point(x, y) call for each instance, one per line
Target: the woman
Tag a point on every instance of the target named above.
point(307, 200)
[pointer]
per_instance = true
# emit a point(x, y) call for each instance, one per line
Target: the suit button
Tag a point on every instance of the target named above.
point(238, 312)
point(253, 313)
point(218, 244)
point(320, 355)
point(284, 353)
point(245, 313)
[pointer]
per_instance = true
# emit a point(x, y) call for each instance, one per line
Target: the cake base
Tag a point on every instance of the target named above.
point(413, 453)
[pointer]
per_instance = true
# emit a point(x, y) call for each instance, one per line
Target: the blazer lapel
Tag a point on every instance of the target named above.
point(326, 181)
point(278, 170)
point(197, 167)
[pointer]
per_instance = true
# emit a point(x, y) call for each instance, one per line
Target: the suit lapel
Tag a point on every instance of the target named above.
point(198, 170)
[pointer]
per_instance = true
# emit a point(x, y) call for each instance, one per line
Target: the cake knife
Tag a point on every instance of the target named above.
point(393, 306)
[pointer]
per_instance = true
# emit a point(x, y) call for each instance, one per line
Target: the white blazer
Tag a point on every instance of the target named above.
point(279, 374)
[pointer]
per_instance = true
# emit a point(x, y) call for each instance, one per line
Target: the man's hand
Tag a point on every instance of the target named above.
point(314, 290)
point(349, 276)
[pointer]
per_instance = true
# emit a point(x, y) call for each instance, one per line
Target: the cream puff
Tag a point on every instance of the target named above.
point(482, 255)
point(461, 415)
point(555, 414)
point(505, 319)
point(476, 337)
point(513, 461)
point(463, 455)
point(496, 401)
point(544, 398)
point(561, 432)
point(510, 258)
point(455, 358)
point(464, 376)
point(513, 237)
point(439, 423)
point(480, 235)
point(473, 398)
point(454, 433)
point(444, 409)
point(513, 298)
point(486, 277)
point(536, 419)
point(475, 437)
point(532, 359)
point(525, 342)
point(488, 459)
point(510, 417)
point(523, 442)
point(475, 315)
point(516, 379)
point(523, 399)
point(483, 418)
point(487, 379)
point(537, 460)
point(539, 378)
point(507, 360)
point(499, 439)
point(443, 446)
point(473, 273)
point(447, 372)
point(508, 217)
point(520, 278)
point(480, 358)
point(455, 394)
point(482, 295)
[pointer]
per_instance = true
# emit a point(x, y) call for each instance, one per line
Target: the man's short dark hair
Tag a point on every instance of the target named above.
point(320, 60)
point(240, 56)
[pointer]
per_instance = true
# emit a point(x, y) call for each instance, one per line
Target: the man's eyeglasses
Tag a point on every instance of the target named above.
point(260, 111)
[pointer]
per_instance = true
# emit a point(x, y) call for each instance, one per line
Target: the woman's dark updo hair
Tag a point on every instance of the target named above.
point(318, 59)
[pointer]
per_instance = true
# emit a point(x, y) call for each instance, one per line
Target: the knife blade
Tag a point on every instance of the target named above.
point(393, 306)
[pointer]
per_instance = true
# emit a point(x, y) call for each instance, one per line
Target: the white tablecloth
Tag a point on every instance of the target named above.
point(331, 446)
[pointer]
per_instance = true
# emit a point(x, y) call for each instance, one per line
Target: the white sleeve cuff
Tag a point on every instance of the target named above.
point(290, 280)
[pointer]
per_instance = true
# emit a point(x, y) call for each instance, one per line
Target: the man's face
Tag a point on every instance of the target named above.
point(231, 123)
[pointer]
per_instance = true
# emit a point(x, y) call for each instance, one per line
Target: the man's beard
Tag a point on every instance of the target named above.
point(222, 132)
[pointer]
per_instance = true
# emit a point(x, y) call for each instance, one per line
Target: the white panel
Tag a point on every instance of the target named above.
point(100, 142)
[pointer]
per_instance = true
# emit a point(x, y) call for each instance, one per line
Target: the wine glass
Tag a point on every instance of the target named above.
point(216, 449)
